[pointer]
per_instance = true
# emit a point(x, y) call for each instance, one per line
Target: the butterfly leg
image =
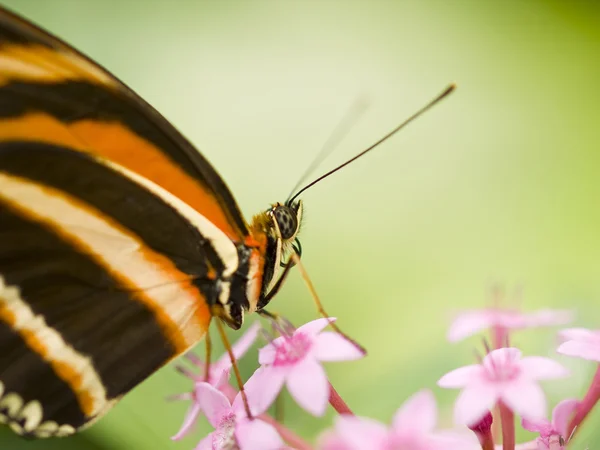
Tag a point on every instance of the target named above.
point(234, 365)
point(208, 344)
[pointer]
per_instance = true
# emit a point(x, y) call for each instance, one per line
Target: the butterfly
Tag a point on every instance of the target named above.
point(119, 242)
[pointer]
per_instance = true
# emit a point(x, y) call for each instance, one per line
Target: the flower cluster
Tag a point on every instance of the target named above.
point(503, 384)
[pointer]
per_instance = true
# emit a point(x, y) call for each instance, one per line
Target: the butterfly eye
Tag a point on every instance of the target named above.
point(286, 220)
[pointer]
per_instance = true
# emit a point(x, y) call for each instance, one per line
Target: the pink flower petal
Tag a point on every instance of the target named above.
point(308, 385)
point(541, 426)
point(510, 319)
point(453, 440)
point(239, 349)
point(360, 433)
point(578, 334)
point(266, 355)
point(222, 380)
point(540, 368)
point(418, 415)
point(206, 443)
point(257, 435)
point(469, 323)
point(331, 346)
point(549, 317)
point(562, 415)
point(316, 326)
point(525, 398)
point(474, 402)
point(331, 441)
point(502, 357)
point(531, 445)
point(580, 349)
point(262, 389)
point(213, 403)
point(188, 423)
point(460, 377)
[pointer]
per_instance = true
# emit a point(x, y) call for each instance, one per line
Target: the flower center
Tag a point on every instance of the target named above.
point(223, 436)
point(292, 349)
point(503, 371)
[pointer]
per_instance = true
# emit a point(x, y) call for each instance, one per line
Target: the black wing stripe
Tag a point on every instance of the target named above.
point(72, 101)
point(15, 30)
point(82, 301)
point(26, 377)
point(116, 196)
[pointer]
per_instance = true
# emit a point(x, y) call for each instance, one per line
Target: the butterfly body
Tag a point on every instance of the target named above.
point(118, 240)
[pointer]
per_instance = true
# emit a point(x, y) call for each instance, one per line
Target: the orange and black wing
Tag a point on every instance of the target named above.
point(112, 228)
point(51, 93)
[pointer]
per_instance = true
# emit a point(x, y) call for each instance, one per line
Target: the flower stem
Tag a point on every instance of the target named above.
point(487, 444)
point(589, 401)
point(337, 402)
point(499, 336)
point(286, 434)
point(508, 427)
point(496, 425)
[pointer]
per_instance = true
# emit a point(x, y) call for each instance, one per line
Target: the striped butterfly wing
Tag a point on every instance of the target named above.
point(112, 228)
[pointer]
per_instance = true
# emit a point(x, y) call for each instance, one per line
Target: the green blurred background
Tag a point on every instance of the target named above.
point(499, 183)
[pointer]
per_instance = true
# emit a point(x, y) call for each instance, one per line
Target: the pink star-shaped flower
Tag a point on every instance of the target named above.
point(504, 376)
point(472, 322)
point(233, 429)
point(219, 371)
point(553, 434)
point(412, 429)
point(295, 360)
point(580, 342)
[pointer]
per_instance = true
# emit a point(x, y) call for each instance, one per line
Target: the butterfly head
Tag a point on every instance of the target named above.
point(280, 224)
point(286, 220)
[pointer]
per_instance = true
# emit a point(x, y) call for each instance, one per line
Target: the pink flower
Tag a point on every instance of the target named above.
point(233, 429)
point(471, 322)
point(503, 376)
point(581, 342)
point(412, 429)
point(554, 432)
point(219, 370)
point(295, 360)
point(483, 430)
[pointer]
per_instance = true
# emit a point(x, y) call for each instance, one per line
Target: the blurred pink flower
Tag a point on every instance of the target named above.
point(412, 429)
point(580, 342)
point(553, 432)
point(219, 370)
point(233, 429)
point(503, 376)
point(483, 430)
point(295, 360)
point(473, 321)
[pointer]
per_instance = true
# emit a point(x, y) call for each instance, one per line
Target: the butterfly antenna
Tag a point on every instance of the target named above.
point(338, 134)
point(429, 105)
